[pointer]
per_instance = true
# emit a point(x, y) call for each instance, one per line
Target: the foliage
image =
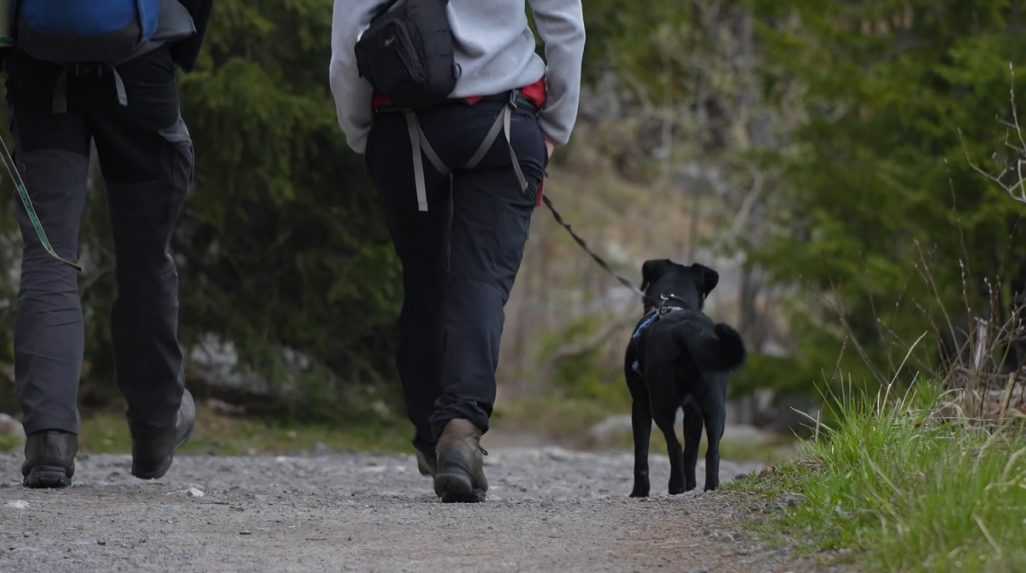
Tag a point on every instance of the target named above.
point(820, 144)
point(9, 444)
point(284, 222)
point(579, 371)
point(282, 245)
point(881, 220)
point(906, 488)
point(762, 372)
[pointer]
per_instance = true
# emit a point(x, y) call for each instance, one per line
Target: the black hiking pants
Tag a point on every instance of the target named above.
point(146, 158)
point(460, 258)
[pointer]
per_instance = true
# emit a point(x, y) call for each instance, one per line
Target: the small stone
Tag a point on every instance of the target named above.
point(18, 504)
point(244, 532)
point(195, 492)
point(101, 542)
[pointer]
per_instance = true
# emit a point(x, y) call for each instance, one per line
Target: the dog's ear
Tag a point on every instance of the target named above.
point(652, 270)
point(710, 278)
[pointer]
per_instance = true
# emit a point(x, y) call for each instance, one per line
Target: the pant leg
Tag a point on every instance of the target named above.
point(49, 338)
point(421, 240)
point(147, 159)
point(459, 259)
point(491, 220)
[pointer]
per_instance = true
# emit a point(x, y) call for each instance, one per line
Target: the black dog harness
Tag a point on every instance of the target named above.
point(665, 307)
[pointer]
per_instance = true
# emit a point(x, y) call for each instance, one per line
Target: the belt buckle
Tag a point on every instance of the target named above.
point(513, 99)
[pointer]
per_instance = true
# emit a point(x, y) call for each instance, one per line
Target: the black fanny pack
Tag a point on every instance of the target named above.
point(407, 53)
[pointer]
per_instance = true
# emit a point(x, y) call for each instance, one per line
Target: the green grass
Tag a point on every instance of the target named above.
point(898, 489)
point(223, 435)
point(9, 444)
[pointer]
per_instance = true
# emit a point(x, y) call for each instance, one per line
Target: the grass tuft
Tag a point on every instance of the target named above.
point(9, 444)
point(901, 489)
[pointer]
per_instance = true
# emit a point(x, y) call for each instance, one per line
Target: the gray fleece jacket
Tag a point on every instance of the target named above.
point(495, 50)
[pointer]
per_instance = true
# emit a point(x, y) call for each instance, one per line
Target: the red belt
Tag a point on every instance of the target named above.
point(535, 93)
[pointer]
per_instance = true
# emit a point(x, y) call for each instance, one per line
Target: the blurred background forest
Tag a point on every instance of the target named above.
point(818, 154)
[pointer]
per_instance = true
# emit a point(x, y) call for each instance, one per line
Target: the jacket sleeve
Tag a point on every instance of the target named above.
point(352, 93)
point(561, 26)
point(187, 51)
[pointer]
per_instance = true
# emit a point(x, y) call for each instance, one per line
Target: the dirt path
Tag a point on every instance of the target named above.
point(549, 510)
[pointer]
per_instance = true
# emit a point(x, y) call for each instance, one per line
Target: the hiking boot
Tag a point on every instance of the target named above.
point(49, 459)
point(459, 476)
point(153, 452)
point(426, 461)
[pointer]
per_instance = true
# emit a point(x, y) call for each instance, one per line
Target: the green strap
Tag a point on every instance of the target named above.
point(30, 210)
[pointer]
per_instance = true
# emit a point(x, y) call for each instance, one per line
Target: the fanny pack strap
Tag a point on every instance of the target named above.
point(502, 123)
point(421, 147)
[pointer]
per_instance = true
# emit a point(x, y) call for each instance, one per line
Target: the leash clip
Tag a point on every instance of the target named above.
point(666, 308)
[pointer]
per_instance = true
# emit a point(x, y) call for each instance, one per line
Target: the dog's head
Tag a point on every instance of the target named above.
point(691, 284)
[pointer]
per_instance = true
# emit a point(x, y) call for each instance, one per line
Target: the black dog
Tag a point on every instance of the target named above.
point(678, 358)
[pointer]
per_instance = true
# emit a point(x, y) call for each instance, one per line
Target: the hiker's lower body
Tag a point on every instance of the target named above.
point(146, 158)
point(460, 257)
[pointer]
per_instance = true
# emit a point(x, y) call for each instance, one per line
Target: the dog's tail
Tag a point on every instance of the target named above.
point(721, 350)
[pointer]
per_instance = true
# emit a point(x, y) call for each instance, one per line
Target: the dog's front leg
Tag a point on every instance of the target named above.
point(641, 423)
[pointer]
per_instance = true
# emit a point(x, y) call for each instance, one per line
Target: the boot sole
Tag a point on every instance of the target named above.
point(47, 477)
point(456, 488)
point(151, 473)
point(164, 467)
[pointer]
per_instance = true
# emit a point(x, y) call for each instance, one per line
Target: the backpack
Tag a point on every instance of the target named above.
point(80, 31)
point(407, 53)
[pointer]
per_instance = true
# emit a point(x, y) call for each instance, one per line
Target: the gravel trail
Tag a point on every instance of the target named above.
point(549, 509)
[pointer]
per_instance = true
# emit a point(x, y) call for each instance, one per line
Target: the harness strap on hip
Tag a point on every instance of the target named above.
point(507, 119)
point(502, 124)
point(421, 147)
point(488, 141)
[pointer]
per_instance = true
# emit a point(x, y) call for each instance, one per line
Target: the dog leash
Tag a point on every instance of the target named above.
point(30, 210)
point(584, 246)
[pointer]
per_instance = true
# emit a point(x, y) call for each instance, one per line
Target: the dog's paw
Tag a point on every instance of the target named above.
point(676, 488)
point(639, 492)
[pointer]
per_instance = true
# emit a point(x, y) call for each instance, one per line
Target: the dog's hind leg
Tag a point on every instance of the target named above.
point(665, 416)
point(715, 412)
point(692, 439)
point(641, 423)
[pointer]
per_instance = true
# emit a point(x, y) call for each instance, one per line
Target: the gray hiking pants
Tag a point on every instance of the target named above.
point(147, 161)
